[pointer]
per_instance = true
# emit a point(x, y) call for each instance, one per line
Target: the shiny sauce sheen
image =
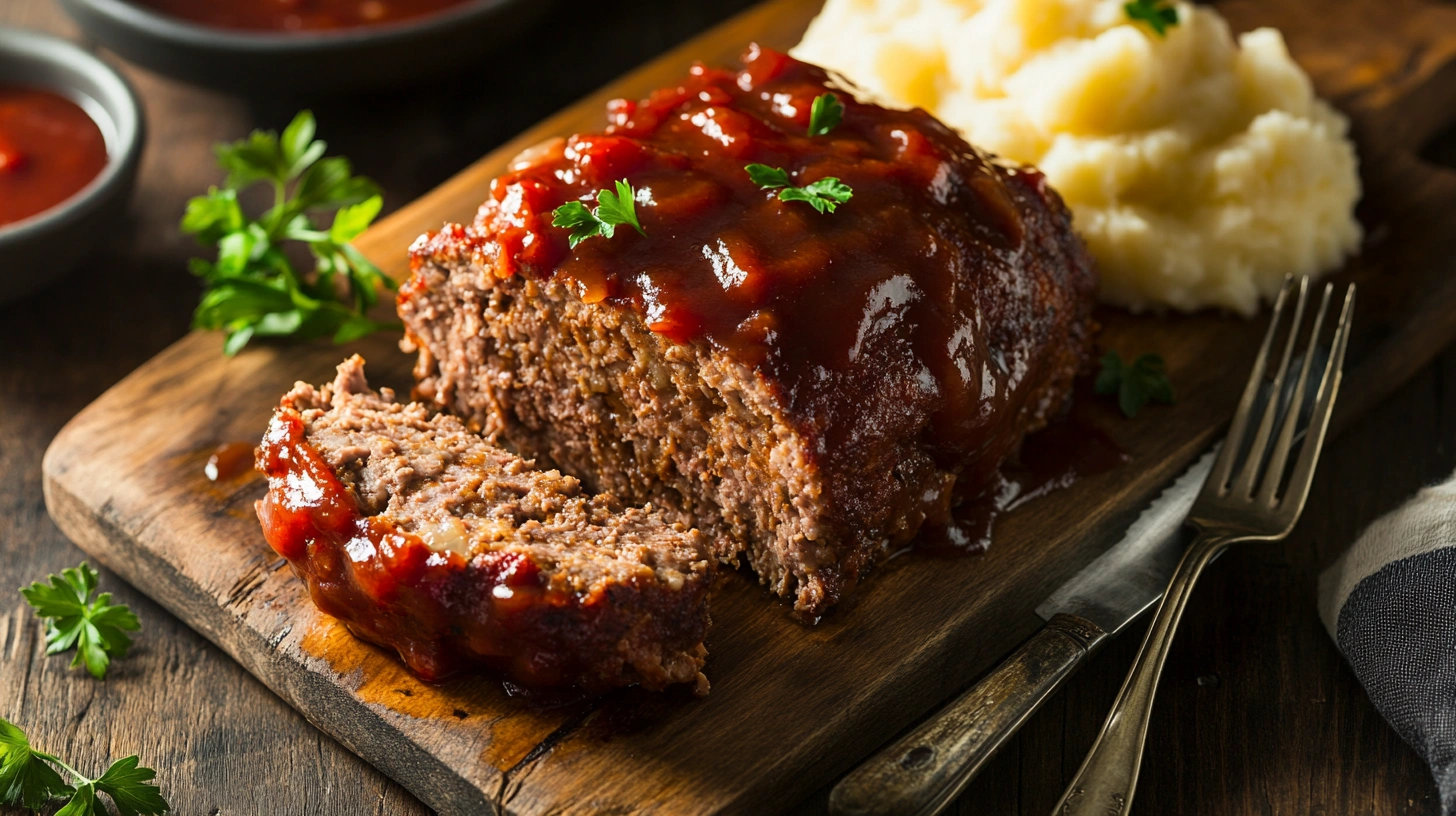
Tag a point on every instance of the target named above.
point(901, 292)
point(297, 15)
point(50, 149)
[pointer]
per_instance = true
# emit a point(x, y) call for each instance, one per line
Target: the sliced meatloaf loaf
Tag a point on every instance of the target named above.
point(810, 386)
point(423, 537)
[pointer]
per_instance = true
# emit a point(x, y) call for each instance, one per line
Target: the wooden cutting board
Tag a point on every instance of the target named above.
point(791, 706)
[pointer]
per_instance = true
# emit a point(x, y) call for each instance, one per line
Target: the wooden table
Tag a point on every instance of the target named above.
point(1257, 713)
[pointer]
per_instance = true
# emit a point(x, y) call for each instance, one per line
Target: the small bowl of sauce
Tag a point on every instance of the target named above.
point(303, 47)
point(298, 15)
point(71, 133)
point(50, 149)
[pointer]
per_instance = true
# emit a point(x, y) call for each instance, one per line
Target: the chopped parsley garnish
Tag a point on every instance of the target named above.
point(825, 114)
point(1158, 16)
point(1146, 379)
point(253, 289)
point(823, 195)
point(96, 629)
point(28, 780)
point(612, 210)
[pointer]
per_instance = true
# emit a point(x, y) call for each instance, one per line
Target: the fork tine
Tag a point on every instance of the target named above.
point(1319, 420)
point(1243, 485)
point(1218, 477)
point(1274, 470)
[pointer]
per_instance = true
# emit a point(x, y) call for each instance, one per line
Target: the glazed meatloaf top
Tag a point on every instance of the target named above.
point(938, 314)
point(423, 536)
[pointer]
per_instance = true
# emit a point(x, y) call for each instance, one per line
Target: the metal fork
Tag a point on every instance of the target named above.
point(1261, 501)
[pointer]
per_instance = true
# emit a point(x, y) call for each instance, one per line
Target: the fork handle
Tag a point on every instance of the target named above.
point(926, 769)
point(1105, 783)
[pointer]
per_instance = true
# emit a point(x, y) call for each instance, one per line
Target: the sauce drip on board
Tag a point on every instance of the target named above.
point(229, 461)
point(297, 15)
point(1068, 450)
point(49, 150)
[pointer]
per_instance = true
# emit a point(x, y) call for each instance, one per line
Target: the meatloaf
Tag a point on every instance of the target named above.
point(810, 389)
point(423, 537)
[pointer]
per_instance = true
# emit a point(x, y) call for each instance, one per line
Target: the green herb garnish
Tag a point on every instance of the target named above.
point(253, 289)
point(1158, 16)
point(825, 114)
point(823, 195)
point(28, 780)
point(96, 629)
point(613, 210)
point(1146, 379)
point(25, 779)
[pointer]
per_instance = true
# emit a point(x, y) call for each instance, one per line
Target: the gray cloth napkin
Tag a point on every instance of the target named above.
point(1390, 604)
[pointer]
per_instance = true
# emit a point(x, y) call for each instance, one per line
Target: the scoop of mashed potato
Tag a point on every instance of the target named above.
point(1200, 170)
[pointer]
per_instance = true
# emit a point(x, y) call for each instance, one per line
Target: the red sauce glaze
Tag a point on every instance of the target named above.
point(1068, 450)
point(297, 15)
point(443, 613)
point(937, 303)
point(49, 150)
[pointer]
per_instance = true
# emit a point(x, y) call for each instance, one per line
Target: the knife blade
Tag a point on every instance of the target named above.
point(1130, 576)
point(925, 770)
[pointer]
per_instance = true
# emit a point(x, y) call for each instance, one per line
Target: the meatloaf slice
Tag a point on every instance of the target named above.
point(422, 536)
point(809, 387)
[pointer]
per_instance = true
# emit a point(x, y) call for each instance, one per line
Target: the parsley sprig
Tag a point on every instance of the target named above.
point(1158, 16)
point(95, 628)
point(823, 195)
point(612, 210)
point(825, 114)
point(253, 289)
point(1145, 379)
point(28, 780)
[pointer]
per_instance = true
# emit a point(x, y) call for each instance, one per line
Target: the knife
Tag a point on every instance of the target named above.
point(925, 770)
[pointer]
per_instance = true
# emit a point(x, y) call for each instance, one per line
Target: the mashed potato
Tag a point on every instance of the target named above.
point(1199, 171)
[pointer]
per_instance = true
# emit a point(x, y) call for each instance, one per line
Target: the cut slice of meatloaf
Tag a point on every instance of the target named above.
point(422, 536)
point(808, 386)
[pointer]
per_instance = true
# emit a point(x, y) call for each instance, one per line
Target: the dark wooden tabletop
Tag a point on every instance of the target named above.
point(1257, 713)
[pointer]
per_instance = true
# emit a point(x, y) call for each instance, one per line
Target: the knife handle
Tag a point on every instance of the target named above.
point(925, 770)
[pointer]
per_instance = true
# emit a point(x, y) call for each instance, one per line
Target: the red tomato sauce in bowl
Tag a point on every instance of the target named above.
point(50, 149)
point(297, 15)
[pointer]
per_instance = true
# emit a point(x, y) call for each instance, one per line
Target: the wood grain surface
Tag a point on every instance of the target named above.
point(148, 469)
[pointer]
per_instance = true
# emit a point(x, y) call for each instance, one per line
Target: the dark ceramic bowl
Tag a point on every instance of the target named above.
point(303, 63)
point(45, 246)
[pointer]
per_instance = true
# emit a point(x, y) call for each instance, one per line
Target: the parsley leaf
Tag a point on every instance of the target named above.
point(1158, 16)
point(612, 211)
point(131, 788)
point(96, 629)
point(768, 178)
point(823, 195)
point(83, 802)
point(253, 288)
point(27, 779)
point(1145, 379)
point(825, 114)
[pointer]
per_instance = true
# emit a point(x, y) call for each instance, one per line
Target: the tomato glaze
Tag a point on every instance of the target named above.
point(443, 613)
point(49, 150)
point(297, 15)
point(946, 305)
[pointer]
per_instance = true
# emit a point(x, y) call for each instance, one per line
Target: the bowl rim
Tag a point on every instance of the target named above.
point(176, 29)
point(130, 131)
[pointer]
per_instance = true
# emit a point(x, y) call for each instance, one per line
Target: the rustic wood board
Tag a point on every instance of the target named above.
point(792, 706)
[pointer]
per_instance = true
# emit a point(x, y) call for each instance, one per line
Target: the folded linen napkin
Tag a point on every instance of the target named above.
point(1390, 604)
